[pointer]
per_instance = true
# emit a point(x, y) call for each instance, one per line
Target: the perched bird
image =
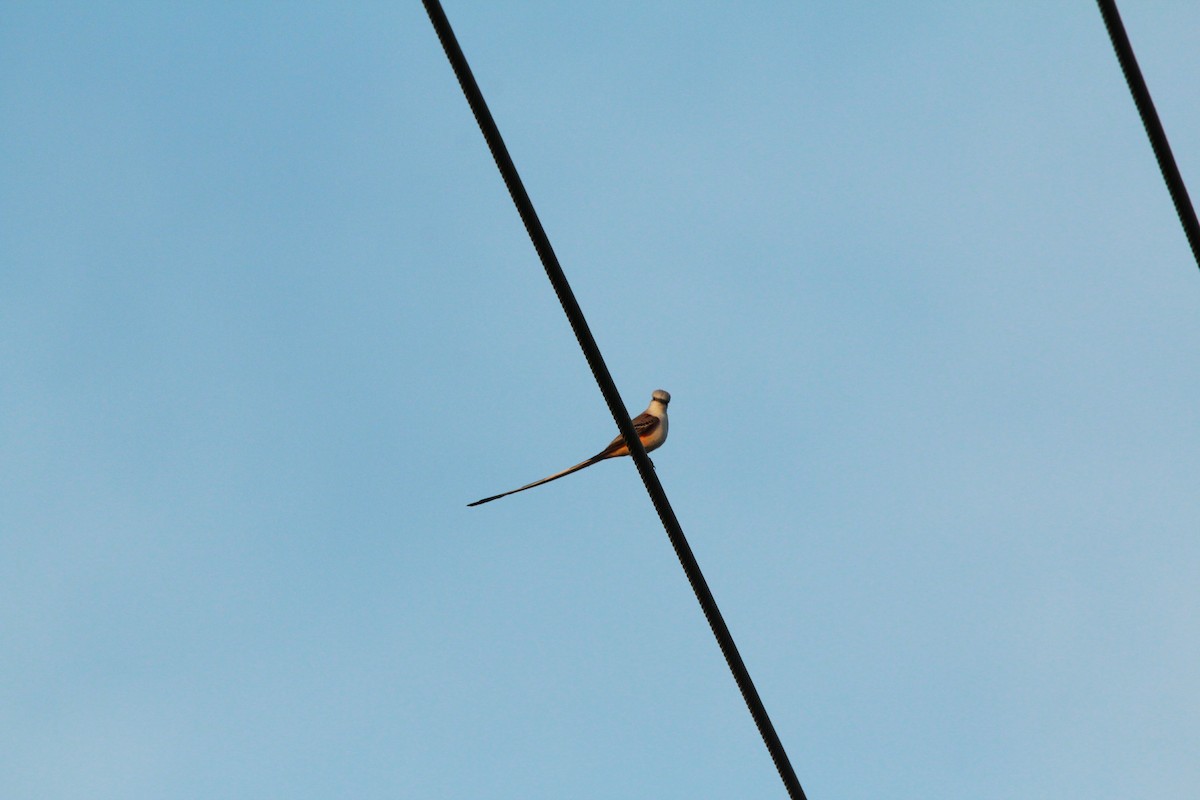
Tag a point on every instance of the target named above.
point(651, 427)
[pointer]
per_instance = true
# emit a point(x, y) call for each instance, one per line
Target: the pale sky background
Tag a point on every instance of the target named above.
point(268, 321)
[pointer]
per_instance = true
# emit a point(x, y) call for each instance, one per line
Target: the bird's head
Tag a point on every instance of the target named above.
point(661, 396)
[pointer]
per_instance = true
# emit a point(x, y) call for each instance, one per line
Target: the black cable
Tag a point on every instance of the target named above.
point(1154, 128)
point(608, 388)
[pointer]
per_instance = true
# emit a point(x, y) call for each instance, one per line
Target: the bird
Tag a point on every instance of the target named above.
point(651, 428)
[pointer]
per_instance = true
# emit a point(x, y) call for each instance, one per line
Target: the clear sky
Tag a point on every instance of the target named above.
point(268, 322)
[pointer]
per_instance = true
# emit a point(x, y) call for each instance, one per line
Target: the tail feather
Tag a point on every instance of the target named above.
point(594, 459)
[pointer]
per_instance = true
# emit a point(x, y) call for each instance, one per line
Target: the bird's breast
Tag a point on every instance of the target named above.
point(657, 436)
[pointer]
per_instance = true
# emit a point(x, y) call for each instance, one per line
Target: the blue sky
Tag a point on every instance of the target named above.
point(268, 321)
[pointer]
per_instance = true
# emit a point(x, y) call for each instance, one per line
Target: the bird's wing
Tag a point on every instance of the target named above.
point(643, 424)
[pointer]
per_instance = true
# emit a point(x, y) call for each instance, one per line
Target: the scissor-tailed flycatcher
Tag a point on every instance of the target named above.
point(651, 427)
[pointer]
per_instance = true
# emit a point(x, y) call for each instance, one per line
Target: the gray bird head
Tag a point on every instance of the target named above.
point(661, 395)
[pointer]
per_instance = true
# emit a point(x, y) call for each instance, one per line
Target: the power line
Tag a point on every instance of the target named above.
point(1154, 128)
point(608, 388)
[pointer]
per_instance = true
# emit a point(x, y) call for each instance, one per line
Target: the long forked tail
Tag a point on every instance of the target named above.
point(607, 453)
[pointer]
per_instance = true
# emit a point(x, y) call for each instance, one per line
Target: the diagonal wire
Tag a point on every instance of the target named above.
point(1154, 128)
point(608, 388)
